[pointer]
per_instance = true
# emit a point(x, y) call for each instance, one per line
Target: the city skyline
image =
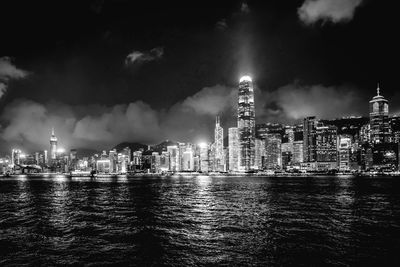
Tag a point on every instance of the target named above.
point(218, 130)
point(90, 79)
point(316, 145)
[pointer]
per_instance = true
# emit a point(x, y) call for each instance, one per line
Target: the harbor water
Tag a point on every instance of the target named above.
point(203, 220)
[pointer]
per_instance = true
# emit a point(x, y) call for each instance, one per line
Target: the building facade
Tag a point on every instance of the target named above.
point(379, 119)
point(246, 124)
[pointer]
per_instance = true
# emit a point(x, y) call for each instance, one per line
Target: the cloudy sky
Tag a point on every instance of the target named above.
point(103, 72)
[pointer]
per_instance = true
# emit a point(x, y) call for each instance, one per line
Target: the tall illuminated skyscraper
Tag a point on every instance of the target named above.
point(219, 146)
point(379, 119)
point(53, 145)
point(246, 124)
point(309, 139)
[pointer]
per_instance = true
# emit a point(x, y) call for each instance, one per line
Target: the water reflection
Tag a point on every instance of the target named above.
point(199, 220)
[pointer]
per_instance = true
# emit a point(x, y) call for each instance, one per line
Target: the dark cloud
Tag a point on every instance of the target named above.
point(9, 71)
point(297, 101)
point(244, 8)
point(136, 57)
point(221, 25)
point(334, 11)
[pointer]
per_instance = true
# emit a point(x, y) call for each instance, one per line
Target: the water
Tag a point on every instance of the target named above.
point(200, 221)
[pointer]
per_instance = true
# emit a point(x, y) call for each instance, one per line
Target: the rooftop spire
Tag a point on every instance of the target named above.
point(378, 90)
point(52, 131)
point(217, 120)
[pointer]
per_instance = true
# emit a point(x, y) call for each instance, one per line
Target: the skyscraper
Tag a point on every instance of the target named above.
point(204, 160)
point(173, 158)
point(298, 154)
point(273, 152)
point(309, 139)
point(326, 143)
point(260, 153)
point(53, 145)
point(344, 151)
point(379, 119)
point(219, 146)
point(246, 124)
point(233, 148)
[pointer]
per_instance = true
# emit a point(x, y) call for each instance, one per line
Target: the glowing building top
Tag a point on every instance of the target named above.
point(53, 137)
point(245, 78)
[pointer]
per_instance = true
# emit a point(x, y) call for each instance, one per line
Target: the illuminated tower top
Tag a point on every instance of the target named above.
point(53, 137)
point(379, 118)
point(245, 78)
point(53, 145)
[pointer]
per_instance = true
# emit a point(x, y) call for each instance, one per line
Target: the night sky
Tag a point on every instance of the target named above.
point(103, 72)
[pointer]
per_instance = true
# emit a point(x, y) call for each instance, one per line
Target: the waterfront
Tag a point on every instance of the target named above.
point(200, 221)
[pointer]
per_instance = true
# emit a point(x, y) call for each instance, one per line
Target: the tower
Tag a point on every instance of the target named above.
point(379, 119)
point(219, 146)
point(309, 139)
point(233, 148)
point(246, 124)
point(53, 146)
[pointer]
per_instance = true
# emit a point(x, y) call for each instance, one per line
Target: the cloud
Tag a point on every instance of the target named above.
point(221, 25)
point(27, 123)
point(8, 71)
point(295, 101)
point(244, 8)
point(136, 57)
point(211, 100)
point(334, 11)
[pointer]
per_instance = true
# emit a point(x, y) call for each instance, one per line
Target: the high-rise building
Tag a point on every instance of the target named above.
point(326, 143)
point(344, 149)
point(46, 157)
point(113, 156)
point(287, 153)
point(137, 160)
point(379, 119)
point(53, 146)
point(155, 162)
point(173, 158)
point(203, 157)
point(260, 153)
point(246, 124)
point(219, 160)
point(15, 156)
point(289, 131)
point(164, 161)
point(309, 139)
point(187, 160)
point(365, 133)
point(273, 152)
point(298, 154)
point(233, 148)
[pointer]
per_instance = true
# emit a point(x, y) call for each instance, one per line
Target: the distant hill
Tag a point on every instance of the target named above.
point(163, 146)
point(132, 146)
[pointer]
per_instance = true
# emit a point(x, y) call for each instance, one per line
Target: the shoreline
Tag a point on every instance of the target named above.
point(196, 174)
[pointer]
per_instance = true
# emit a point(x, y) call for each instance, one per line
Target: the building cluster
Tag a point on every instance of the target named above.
point(345, 145)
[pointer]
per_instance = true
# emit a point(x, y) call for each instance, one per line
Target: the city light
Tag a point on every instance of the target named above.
point(313, 146)
point(203, 145)
point(245, 78)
